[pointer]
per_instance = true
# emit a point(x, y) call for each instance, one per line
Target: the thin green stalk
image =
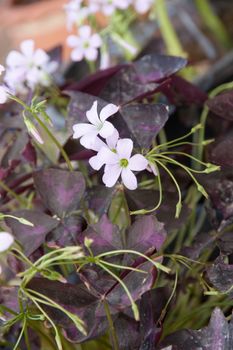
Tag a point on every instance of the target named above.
point(122, 267)
point(112, 331)
point(212, 21)
point(132, 302)
point(21, 334)
point(201, 135)
point(21, 200)
point(26, 338)
point(169, 35)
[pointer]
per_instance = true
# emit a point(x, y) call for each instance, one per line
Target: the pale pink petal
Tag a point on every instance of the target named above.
point(112, 140)
point(129, 179)
point(98, 144)
point(111, 175)
point(15, 59)
point(92, 114)
point(106, 130)
point(95, 40)
point(88, 140)
point(27, 47)
point(143, 6)
point(2, 69)
point(6, 240)
point(138, 163)
point(108, 10)
point(124, 148)
point(3, 95)
point(81, 129)
point(40, 57)
point(152, 169)
point(96, 162)
point(85, 32)
point(73, 41)
point(107, 111)
point(77, 54)
point(108, 156)
point(91, 53)
point(123, 4)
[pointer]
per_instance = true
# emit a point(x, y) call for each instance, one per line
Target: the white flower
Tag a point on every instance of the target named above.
point(142, 6)
point(85, 45)
point(108, 7)
point(97, 161)
point(120, 163)
point(75, 13)
point(6, 240)
point(28, 68)
point(98, 125)
point(3, 94)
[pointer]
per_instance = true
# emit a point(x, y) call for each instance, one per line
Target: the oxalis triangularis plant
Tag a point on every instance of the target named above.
point(100, 216)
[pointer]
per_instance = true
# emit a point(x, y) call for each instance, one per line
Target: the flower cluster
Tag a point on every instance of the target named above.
point(86, 42)
point(115, 154)
point(26, 69)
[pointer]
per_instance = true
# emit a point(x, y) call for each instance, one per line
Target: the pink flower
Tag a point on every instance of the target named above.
point(3, 94)
point(6, 240)
point(2, 69)
point(120, 163)
point(98, 126)
point(85, 45)
point(28, 68)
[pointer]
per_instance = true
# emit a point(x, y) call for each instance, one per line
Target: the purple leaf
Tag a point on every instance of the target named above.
point(60, 190)
point(154, 68)
point(220, 275)
point(67, 232)
point(127, 330)
point(99, 198)
point(9, 298)
point(146, 235)
point(220, 152)
point(222, 105)
point(105, 236)
point(94, 83)
point(30, 237)
point(137, 283)
point(216, 336)
point(145, 121)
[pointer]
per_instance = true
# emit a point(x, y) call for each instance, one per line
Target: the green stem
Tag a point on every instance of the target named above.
point(21, 334)
point(212, 21)
point(203, 118)
point(169, 35)
point(112, 331)
point(22, 201)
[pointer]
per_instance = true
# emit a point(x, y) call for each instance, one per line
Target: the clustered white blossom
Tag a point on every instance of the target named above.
point(112, 152)
point(85, 43)
point(26, 69)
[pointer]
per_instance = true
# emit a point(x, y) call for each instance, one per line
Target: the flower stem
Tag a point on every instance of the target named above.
point(22, 201)
point(112, 331)
point(213, 22)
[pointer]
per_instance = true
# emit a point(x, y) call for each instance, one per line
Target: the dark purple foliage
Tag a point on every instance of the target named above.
point(60, 190)
point(220, 274)
point(218, 335)
point(31, 237)
point(222, 105)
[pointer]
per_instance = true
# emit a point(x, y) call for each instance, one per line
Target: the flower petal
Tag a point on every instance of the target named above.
point(91, 53)
point(107, 111)
point(138, 162)
point(3, 95)
point(92, 114)
point(6, 240)
point(98, 144)
point(108, 156)
point(88, 140)
point(112, 140)
point(40, 57)
point(106, 130)
point(73, 41)
point(96, 162)
point(129, 179)
point(95, 40)
point(15, 59)
point(81, 129)
point(77, 54)
point(124, 148)
point(85, 32)
point(111, 175)
point(27, 47)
